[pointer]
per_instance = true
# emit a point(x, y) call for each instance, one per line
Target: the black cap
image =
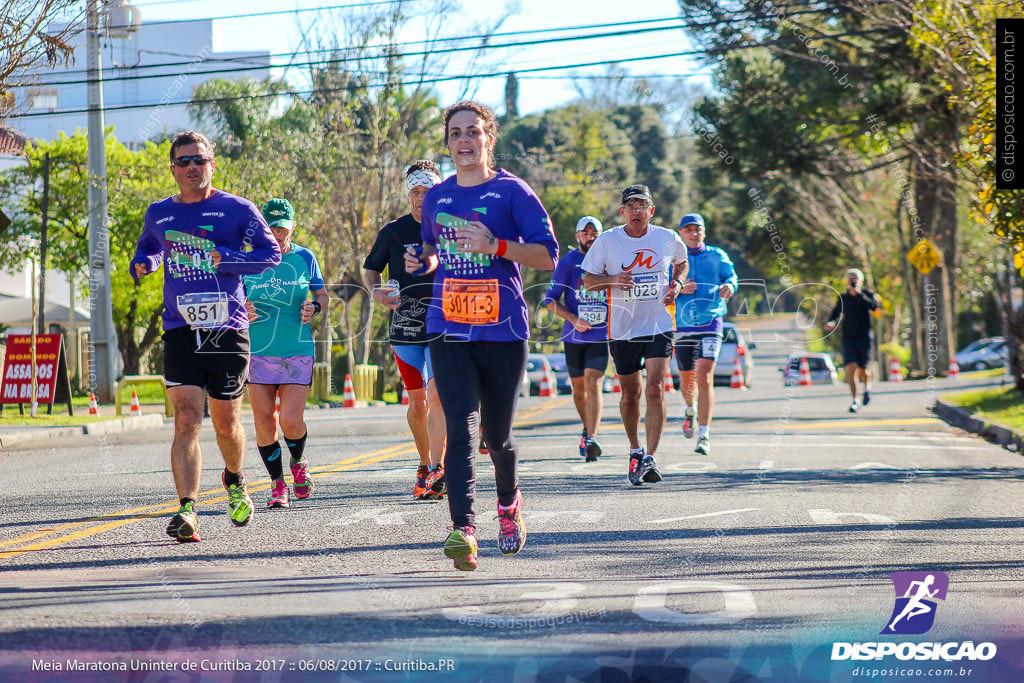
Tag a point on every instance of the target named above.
point(636, 192)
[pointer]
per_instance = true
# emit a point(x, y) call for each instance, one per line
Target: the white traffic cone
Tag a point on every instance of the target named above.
point(670, 388)
point(805, 374)
point(545, 385)
point(616, 387)
point(895, 371)
point(135, 410)
point(737, 375)
point(349, 397)
point(954, 369)
point(94, 408)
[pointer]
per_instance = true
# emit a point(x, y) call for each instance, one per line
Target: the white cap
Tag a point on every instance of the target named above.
point(582, 224)
point(858, 272)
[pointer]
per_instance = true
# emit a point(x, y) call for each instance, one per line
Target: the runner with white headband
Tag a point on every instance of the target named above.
point(408, 297)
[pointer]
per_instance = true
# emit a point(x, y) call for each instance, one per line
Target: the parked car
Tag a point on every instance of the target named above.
point(823, 370)
point(733, 346)
point(537, 366)
point(982, 354)
point(558, 366)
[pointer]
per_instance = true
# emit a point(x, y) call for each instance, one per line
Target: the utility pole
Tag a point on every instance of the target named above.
point(43, 224)
point(102, 340)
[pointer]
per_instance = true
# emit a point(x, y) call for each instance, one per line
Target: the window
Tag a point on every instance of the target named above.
point(42, 98)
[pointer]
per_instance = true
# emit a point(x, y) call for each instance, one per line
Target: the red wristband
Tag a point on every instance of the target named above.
point(502, 246)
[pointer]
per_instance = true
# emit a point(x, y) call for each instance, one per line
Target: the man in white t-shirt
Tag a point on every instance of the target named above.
point(642, 266)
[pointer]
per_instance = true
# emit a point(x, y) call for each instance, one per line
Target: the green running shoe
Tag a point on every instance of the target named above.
point(240, 506)
point(184, 526)
point(461, 546)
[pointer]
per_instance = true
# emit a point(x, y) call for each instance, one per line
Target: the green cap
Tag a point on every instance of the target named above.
point(279, 213)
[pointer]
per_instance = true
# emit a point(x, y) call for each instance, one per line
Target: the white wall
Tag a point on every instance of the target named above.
point(151, 45)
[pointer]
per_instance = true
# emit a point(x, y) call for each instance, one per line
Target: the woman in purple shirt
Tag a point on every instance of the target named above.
point(479, 227)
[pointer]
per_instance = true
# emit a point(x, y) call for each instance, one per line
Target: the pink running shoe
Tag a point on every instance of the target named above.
point(512, 535)
point(301, 482)
point(279, 497)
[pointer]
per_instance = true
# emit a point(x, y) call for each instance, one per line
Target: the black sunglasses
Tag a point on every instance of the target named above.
point(184, 161)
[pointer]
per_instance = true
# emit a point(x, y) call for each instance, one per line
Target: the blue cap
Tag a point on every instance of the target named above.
point(692, 218)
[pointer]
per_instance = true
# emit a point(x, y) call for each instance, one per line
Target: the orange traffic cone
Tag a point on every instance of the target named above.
point(805, 374)
point(670, 388)
point(94, 408)
point(545, 385)
point(895, 372)
point(616, 387)
point(277, 403)
point(350, 394)
point(954, 369)
point(135, 410)
point(737, 376)
point(405, 397)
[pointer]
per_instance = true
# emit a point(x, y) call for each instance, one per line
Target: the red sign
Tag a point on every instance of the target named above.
point(17, 379)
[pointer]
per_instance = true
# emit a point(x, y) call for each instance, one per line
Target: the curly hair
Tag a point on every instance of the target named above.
point(424, 165)
point(485, 113)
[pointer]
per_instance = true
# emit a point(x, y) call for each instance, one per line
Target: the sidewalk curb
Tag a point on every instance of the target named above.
point(990, 431)
point(122, 424)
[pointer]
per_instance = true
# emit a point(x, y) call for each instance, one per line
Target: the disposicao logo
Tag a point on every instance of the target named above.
point(914, 614)
point(914, 611)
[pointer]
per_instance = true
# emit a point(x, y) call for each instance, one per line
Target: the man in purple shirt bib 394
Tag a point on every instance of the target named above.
point(207, 240)
point(585, 334)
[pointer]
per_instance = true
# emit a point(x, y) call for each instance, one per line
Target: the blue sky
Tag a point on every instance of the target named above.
point(282, 33)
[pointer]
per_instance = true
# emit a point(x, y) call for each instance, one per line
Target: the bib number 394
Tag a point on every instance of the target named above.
point(204, 310)
point(473, 302)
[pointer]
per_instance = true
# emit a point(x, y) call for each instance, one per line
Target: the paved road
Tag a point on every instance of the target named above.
point(755, 559)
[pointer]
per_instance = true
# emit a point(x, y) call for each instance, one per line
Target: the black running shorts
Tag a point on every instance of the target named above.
point(579, 357)
point(215, 360)
point(691, 347)
point(629, 354)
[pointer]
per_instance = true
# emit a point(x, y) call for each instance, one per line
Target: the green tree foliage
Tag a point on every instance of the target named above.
point(834, 98)
point(134, 180)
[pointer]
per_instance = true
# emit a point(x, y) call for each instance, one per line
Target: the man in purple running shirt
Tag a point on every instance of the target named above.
point(207, 239)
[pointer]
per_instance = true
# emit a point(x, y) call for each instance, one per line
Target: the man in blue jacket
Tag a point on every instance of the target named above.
point(699, 310)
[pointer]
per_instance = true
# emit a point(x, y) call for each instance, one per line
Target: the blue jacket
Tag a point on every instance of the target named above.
point(710, 269)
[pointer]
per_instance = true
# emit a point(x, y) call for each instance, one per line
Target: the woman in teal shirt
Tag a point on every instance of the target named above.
point(280, 312)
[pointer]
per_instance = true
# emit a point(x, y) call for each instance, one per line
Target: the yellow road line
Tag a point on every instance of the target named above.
point(204, 497)
point(159, 506)
point(868, 423)
point(92, 531)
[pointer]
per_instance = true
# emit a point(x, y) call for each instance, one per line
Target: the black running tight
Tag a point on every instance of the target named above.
point(478, 381)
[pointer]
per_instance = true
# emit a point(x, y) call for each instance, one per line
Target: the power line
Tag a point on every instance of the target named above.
point(448, 39)
point(399, 44)
point(441, 79)
point(271, 13)
point(419, 53)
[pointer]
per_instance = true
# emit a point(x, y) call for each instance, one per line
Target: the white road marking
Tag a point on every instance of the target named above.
point(873, 466)
point(702, 515)
point(826, 516)
point(651, 605)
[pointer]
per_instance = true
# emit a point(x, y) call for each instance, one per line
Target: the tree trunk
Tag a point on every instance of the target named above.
point(935, 195)
point(917, 356)
point(1013, 324)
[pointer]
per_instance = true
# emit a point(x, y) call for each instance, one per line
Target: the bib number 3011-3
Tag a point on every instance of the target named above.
point(473, 302)
point(204, 310)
